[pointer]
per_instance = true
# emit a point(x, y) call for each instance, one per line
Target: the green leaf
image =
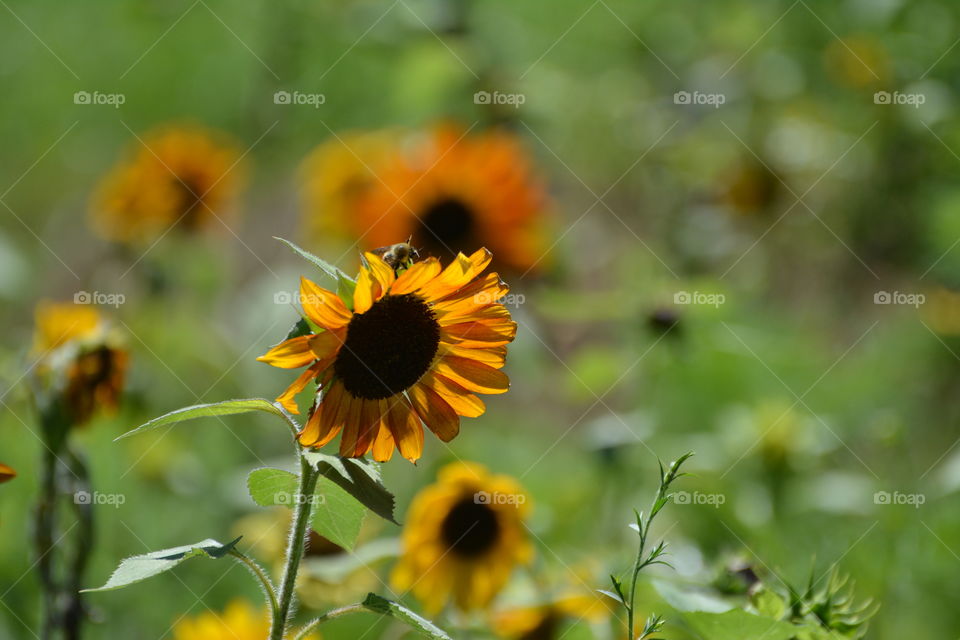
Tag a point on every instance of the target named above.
point(737, 624)
point(328, 268)
point(137, 568)
point(336, 516)
point(359, 477)
point(381, 605)
point(225, 408)
point(687, 599)
point(345, 289)
point(301, 328)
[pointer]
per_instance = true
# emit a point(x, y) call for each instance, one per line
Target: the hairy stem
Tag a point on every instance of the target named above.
point(329, 615)
point(261, 575)
point(295, 547)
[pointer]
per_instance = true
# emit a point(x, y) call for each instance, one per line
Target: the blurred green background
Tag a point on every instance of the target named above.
point(794, 203)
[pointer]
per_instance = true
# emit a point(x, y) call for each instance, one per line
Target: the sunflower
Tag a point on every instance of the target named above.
point(452, 192)
point(7, 473)
point(76, 341)
point(546, 621)
point(336, 173)
point(239, 621)
point(412, 345)
point(463, 537)
point(177, 176)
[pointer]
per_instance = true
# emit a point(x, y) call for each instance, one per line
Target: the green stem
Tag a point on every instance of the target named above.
point(295, 547)
point(258, 571)
point(329, 615)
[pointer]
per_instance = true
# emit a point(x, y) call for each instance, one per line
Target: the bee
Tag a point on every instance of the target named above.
point(399, 255)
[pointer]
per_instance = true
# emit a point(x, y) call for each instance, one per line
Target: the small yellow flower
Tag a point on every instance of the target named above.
point(78, 338)
point(239, 621)
point(183, 177)
point(545, 621)
point(463, 537)
point(6, 473)
point(417, 346)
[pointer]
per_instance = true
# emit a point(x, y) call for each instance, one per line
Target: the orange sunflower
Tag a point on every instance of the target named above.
point(183, 176)
point(414, 344)
point(453, 192)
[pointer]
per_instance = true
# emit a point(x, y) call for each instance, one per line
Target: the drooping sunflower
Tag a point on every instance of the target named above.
point(239, 621)
point(7, 472)
point(416, 344)
point(547, 620)
point(185, 177)
point(451, 191)
point(463, 537)
point(76, 342)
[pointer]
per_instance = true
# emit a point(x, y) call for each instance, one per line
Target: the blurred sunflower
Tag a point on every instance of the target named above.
point(463, 537)
point(7, 473)
point(546, 621)
point(239, 621)
point(447, 191)
point(336, 173)
point(75, 341)
point(178, 176)
point(418, 344)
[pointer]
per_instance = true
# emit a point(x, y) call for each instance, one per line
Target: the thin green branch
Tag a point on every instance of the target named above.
point(262, 576)
point(330, 615)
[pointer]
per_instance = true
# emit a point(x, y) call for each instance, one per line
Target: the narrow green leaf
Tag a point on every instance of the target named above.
point(336, 516)
point(225, 408)
point(360, 478)
point(328, 268)
point(611, 594)
point(379, 604)
point(345, 289)
point(137, 568)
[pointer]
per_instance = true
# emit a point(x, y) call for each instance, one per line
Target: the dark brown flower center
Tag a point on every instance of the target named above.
point(388, 348)
point(446, 227)
point(471, 528)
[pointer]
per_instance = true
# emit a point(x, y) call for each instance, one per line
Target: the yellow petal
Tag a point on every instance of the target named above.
point(473, 375)
point(416, 276)
point(366, 292)
point(406, 428)
point(324, 308)
point(290, 354)
point(457, 274)
point(435, 412)
point(286, 398)
point(381, 271)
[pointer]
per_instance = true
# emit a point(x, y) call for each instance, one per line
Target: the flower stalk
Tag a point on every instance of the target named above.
point(295, 547)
